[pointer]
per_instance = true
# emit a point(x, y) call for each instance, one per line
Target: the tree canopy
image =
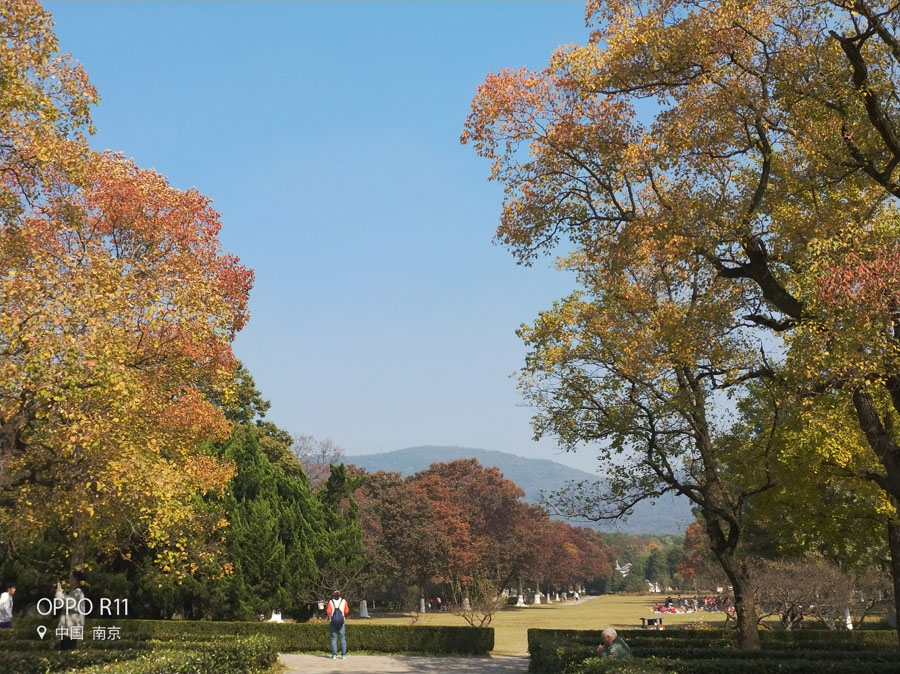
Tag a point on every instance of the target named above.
point(753, 143)
point(119, 308)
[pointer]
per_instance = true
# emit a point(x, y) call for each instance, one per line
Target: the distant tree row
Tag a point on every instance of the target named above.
point(274, 538)
point(466, 528)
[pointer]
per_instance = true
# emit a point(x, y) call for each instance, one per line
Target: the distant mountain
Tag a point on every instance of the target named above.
point(668, 516)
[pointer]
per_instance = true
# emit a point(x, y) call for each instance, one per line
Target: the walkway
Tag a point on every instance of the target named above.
point(296, 663)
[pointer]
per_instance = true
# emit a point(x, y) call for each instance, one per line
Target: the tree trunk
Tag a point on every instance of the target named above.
point(881, 441)
point(79, 547)
point(723, 547)
point(894, 543)
point(744, 603)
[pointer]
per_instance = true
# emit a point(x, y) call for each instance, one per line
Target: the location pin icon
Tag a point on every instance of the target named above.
point(41, 630)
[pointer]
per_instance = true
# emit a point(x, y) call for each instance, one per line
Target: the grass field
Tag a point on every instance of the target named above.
point(512, 624)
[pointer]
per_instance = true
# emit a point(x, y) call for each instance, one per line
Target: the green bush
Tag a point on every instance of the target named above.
point(243, 655)
point(296, 637)
point(716, 652)
point(769, 653)
point(47, 660)
point(287, 637)
point(596, 665)
point(674, 666)
point(48, 645)
point(548, 659)
point(868, 639)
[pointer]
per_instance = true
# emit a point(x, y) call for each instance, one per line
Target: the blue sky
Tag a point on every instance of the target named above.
point(327, 135)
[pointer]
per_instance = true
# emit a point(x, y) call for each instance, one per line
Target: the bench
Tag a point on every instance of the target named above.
point(655, 623)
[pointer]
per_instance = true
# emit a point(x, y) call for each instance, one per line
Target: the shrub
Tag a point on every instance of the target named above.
point(726, 666)
point(294, 637)
point(287, 637)
point(715, 652)
point(596, 665)
point(41, 662)
point(868, 639)
point(244, 655)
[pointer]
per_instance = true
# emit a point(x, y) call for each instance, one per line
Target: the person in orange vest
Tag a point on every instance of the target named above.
point(337, 616)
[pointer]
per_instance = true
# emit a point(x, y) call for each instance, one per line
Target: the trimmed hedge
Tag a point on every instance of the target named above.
point(715, 652)
point(674, 666)
point(40, 662)
point(819, 639)
point(298, 637)
point(231, 655)
point(822, 638)
point(242, 655)
point(287, 637)
point(769, 654)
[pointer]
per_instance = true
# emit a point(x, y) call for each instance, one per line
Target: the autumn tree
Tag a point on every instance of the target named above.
point(838, 515)
point(631, 369)
point(574, 556)
point(756, 140)
point(117, 304)
point(45, 104)
point(698, 566)
point(466, 527)
point(801, 589)
point(403, 545)
point(490, 530)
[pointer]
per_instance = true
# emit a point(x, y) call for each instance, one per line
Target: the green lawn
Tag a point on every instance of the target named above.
point(511, 624)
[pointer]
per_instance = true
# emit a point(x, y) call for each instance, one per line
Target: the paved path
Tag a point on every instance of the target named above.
point(401, 664)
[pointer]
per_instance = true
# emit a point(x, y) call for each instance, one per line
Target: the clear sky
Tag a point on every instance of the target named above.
point(327, 135)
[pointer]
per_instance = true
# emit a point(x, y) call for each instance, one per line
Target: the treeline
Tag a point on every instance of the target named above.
point(462, 530)
point(275, 539)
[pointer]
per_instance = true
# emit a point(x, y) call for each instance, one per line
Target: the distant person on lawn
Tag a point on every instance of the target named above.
point(612, 645)
point(337, 615)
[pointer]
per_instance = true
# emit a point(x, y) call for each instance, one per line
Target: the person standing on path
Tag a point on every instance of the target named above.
point(337, 615)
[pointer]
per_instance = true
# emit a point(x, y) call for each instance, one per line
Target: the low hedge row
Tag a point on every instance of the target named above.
point(287, 637)
point(296, 637)
point(48, 661)
point(819, 638)
point(547, 659)
point(90, 644)
point(834, 655)
point(240, 655)
point(663, 643)
point(867, 639)
point(675, 666)
point(715, 652)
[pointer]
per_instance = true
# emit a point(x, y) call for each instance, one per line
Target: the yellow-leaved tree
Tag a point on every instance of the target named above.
point(755, 141)
point(118, 310)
